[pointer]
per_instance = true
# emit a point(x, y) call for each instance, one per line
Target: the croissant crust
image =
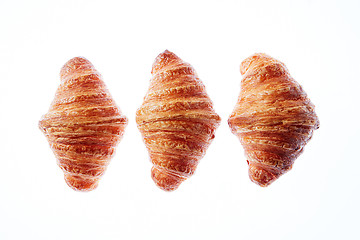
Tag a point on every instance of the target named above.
point(177, 121)
point(83, 125)
point(273, 118)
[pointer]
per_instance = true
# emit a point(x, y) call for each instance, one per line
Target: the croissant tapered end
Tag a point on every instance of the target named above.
point(255, 61)
point(262, 175)
point(165, 180)
point(273, 118)
point(83, 125)
point(177, 121)
point(78, 183)
point(163, 60)
point(75, 65)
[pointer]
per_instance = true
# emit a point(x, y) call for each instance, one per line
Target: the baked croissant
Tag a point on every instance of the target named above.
point(83, 125)
point(273, 118)
point(177, 121)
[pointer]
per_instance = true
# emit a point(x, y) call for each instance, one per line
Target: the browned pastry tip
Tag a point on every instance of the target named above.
point(163, 60)
point(177, 120)
point(165, 180)
point(273, 118)
point(83, 125)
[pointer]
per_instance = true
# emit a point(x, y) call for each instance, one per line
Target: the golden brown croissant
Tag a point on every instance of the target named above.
point(273, 118)
point(83, 125)
point(177, 121)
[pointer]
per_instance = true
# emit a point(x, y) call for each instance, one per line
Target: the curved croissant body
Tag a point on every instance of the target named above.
point(177, 121)
point(83, 125)
point(273, 118)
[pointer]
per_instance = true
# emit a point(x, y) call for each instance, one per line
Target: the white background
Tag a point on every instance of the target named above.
point(317, 40)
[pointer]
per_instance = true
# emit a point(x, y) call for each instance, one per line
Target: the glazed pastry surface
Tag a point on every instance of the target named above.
point(273, 118)
point(177, 121)
point(83, 125)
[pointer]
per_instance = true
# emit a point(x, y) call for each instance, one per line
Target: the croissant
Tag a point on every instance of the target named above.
point(273, 118)
point(177, 121)
point(83, 125)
